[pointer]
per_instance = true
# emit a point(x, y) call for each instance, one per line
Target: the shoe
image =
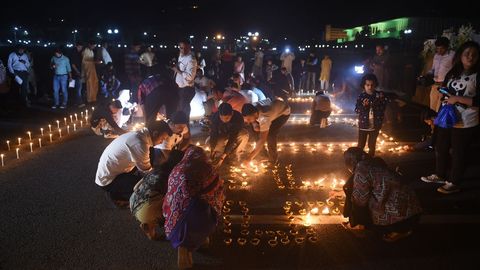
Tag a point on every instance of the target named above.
point(63, 107)
point(395, 236)
point(432, 179)
point(54, 107)
point(448, 188)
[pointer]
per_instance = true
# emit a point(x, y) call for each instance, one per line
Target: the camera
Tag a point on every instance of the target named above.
point(172, 63)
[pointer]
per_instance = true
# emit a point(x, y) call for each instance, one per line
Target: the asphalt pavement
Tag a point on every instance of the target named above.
point(53, 216)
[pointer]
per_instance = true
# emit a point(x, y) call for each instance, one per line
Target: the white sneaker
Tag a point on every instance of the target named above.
point(448, 188)
point(432, 179)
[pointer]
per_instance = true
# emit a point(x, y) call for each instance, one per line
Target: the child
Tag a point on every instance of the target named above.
point(109, 82)
point(370, 107)
point(321, 110)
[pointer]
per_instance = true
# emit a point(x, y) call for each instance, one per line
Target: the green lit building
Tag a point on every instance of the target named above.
point(398, 28)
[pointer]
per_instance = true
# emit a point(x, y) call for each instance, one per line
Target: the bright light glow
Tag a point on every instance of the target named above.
point(115, 31)
point(144, 33)
point(249, 34)
point(255, 38)
point(359, 69)
point(218, 48)
point(15, 28)
point(408, 31)
point(191, 36)
point(219, 36)
point(109, 31)
point(256, 34)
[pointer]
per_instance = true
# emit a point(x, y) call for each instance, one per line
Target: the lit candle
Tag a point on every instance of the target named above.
point(326, 211)
point(314, 211)
point(65, 120)
point(41, 131)
point(68, 129)
point(76, 117)
point(29, 135)
point(40, 142)
point(8, 144)
point(50, 137)
point(19, 141)
point(71, 118)
point(1, 156)
point(74, 127)
point(81, 123)
point(50, 128)
point(244, 183)
point(58, 124)
point(31, 147)
point(18, 149)
point(60, 132)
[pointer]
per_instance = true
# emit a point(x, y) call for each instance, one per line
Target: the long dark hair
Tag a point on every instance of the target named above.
point(457, 68)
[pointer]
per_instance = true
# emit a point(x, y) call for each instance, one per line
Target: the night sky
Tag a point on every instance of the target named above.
point(297, 18)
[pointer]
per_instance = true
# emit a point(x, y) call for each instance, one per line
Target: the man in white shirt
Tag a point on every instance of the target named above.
point(125, 160)
point(18, 65)
point(442, 63)
point(185, 70)
point(266, 117)
point(179, 139)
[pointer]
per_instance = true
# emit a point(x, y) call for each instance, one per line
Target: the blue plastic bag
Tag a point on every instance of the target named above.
point(446, 117)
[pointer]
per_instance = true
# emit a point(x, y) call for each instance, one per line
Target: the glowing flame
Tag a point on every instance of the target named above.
point(326, 211)
point(308, 220)
point(314, 211)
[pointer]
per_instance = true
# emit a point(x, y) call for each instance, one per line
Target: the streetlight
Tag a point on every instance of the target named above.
point(145, 33)
point(109, 31)
point(74, 32)
point(15, 29)
point(115, 31)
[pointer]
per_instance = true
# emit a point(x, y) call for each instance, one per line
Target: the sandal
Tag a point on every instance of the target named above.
point(348, 226)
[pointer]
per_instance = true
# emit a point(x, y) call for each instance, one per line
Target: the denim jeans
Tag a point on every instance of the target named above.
point(60, 81)
point(78, 91)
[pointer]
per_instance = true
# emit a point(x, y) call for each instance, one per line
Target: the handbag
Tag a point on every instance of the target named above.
point(446, 117)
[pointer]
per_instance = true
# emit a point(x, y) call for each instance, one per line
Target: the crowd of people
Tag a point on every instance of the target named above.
point(167, 182)
point(157, 172)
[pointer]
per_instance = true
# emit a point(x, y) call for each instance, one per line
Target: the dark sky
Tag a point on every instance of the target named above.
point(276, 18)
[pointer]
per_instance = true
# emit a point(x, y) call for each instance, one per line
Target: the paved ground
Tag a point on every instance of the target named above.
point(54, 217)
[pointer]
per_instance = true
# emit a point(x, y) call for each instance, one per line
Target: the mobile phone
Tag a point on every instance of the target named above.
point(444, 91)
